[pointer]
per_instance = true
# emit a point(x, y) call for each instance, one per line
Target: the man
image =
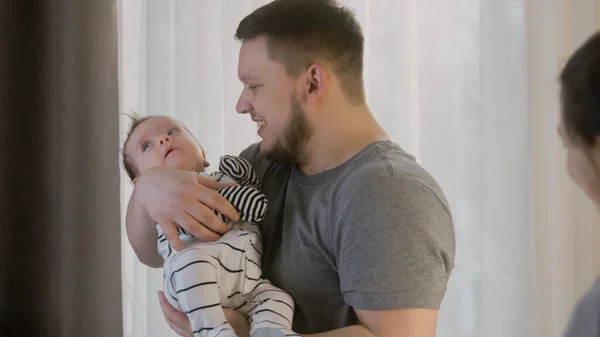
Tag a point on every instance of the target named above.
point(357, 233)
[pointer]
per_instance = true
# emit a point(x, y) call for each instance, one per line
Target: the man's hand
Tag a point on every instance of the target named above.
point(179, 322)
point(179, 198)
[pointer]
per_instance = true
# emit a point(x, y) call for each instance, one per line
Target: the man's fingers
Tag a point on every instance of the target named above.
point(178, 330)
point(164, 303)
point(207, 217)
point(171, 235)
point(216, 201)
point(172, 316)
point(192, 226)
point(206, 182)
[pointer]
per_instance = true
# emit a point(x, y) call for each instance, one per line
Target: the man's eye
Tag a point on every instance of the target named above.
point(253, 87)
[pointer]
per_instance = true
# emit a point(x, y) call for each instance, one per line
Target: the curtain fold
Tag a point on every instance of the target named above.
point(59, 180)
point(468, 86)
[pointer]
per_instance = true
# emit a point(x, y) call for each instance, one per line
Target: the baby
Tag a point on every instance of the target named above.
point(207, 276)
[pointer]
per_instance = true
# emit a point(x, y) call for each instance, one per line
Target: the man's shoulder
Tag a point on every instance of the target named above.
point(385, 165)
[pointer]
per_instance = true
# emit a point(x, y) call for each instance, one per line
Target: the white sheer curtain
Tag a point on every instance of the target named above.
point(468, 86)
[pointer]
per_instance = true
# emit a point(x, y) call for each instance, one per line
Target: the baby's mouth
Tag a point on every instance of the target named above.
point(169, 152)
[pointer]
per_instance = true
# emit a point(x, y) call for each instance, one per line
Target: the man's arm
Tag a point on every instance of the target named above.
point(395, 249)
point(400, 322)
point(394, 246)
point(392, 323)
point(349, 331)
point(377, 323)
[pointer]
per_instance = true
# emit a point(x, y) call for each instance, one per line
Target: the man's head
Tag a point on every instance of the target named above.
point(296, 54)
point(160, 141)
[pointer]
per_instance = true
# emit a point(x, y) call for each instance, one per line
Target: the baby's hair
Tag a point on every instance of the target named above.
point(136, 120)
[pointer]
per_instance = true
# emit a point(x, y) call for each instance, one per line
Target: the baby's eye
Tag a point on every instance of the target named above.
point(145, 146)
point(172, 131)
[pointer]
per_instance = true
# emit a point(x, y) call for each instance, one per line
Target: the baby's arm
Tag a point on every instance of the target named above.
point(142, 234)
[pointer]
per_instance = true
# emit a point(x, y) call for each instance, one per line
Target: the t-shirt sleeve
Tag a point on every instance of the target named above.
point(394, 246)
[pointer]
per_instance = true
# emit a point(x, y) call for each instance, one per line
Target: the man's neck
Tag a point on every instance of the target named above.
point(340, 136)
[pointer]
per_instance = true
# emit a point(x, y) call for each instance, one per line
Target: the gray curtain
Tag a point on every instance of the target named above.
point(59, 179)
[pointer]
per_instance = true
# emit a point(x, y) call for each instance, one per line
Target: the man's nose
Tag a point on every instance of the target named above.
point(243, 104)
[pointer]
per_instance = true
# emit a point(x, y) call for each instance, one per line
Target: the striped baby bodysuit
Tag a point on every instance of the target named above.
point(207, 276)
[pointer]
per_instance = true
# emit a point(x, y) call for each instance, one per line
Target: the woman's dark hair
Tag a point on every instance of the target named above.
point(580, 93)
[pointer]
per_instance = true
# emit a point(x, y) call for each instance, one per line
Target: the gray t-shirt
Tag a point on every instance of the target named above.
point(585, 321)
point(373, 233)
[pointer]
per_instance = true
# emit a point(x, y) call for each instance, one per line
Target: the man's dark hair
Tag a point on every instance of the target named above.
point(301, 32)
point(580, 93)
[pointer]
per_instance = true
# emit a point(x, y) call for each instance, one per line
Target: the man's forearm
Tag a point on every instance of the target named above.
point(349, 331)
point(142, 234)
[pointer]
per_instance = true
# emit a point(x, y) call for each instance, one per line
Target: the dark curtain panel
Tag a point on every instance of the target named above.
point(59, 174)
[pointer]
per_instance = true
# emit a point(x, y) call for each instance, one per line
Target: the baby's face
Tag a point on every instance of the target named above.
point(162, 141)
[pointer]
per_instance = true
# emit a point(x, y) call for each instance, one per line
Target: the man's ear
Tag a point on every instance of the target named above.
point(135, 180)
point(317, 79)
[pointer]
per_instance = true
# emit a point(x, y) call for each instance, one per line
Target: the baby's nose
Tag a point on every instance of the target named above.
point(164, 139)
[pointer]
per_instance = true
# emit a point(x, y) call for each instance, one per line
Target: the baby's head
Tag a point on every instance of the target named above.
point(161, 141)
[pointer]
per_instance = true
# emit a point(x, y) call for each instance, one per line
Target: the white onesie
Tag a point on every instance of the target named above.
point(207, 276)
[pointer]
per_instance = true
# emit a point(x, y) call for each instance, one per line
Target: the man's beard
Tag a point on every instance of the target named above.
point(289, 145)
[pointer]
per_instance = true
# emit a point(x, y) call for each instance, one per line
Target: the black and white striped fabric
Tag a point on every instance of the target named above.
point(227, 273)
point(249, 201)
point(239, 169)
point(247, 198)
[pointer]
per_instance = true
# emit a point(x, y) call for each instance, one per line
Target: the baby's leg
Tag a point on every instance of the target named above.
point(192, 281)
point(270, 310)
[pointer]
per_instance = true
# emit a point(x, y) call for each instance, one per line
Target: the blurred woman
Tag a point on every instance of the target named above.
point(580, 131)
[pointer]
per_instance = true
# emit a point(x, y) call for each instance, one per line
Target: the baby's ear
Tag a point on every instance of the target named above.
point(204, 161)
point(135, 180)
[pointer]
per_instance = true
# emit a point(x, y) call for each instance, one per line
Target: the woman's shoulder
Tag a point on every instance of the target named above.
point(585, 320)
